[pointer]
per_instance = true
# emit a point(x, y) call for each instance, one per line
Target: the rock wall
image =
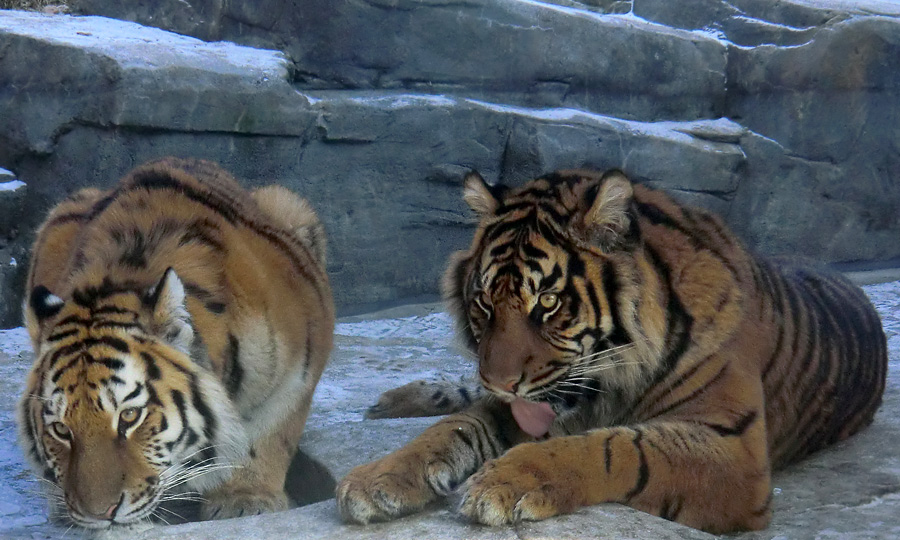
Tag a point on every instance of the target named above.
point(784, 116)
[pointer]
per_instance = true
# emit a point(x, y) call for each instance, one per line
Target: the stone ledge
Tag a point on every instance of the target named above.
point(851, 490)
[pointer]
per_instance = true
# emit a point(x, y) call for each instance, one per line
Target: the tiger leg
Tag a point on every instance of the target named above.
point(430, 466)
point(294, 214)
point(423, 398)
point(690, 472)
point(257, 486)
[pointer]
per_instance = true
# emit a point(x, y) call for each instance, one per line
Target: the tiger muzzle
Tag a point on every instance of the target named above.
point(509, 353)
point(97, 478)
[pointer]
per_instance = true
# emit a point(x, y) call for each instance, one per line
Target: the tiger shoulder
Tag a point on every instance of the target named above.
point(180, 324)
point(631, 350)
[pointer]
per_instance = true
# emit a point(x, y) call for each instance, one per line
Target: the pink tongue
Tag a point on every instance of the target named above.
point(533, 418)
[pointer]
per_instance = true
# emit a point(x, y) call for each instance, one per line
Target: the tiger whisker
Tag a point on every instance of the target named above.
point(191, 474)
point(168, 511)
point(69, 528)
point(158, 516)
point(194, 496)
point(578, 385)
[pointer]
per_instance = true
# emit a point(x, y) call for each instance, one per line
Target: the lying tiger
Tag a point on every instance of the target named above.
point(632, 351)
point(180, 325)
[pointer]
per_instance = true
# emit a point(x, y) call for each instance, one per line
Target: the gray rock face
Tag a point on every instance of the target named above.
point(782, 116)
point(12, 204)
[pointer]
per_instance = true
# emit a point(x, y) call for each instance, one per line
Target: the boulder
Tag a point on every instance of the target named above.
point(799, 152)
point(527, 53)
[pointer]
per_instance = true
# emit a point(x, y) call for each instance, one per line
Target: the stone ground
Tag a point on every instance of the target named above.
point(849, 491)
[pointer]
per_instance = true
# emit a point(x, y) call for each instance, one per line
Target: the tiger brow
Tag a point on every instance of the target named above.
point(134, 393)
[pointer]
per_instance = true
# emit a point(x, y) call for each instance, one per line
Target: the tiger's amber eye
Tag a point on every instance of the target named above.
point(549, 300)
point(61, 430)
point(130, 415)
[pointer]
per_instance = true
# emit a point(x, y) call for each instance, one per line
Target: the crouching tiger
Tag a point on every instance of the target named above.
point(632, 351)
point(180, 325)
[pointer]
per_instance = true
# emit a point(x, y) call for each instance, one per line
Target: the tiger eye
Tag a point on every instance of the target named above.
point(129, 415)
point(548, 300)
point(61, 430)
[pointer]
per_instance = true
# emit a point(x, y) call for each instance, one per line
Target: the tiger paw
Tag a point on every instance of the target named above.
point(520, 486)
point(421, 398)
point(224, 504)
point(390, 488)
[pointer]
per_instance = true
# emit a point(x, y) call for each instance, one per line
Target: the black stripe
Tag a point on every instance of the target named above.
point(103, 310)
point(234, 372)
point(150, 367)
point(66, 367)
point(548, 281)
point(218, 203)
point(618, 336)
point(739, 427)
point(657, 217)
point(74, 319)
point(534, 252)
point(202, 232)
point(643, 468)
point(500, 249)
point(497, 230)
point(134, 393)
point(678, 321)
point(178, 400)
point(209, 419)
point(62, 335)
point(607, 452)
point(111, 363)
point(693, 394)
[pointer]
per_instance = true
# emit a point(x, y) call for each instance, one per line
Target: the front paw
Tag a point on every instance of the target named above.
point(391, 487)
point(224, 504)
point(524, 484)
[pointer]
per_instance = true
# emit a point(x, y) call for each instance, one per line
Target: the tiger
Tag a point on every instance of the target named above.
point(180, 325)
point(631, 350)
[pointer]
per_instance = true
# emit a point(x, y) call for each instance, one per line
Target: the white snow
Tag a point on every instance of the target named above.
point(15, 341)
point(12, 185)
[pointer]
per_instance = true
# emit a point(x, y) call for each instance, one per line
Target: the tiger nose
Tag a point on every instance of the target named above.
point(510, 385)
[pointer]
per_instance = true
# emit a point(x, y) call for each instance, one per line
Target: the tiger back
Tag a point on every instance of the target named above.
point(180, 325)
point(631, 350)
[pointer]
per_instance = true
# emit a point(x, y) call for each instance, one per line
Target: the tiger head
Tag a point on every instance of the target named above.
point(547, 293)
point(115, 415)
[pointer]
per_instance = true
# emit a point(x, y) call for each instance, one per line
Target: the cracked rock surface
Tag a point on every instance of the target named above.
point(781, 115)
point(851, 490)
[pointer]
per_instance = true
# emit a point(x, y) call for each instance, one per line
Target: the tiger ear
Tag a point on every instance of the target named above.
point(43, 304)
point(168, 312)
point(478, 194)
point(608, 221)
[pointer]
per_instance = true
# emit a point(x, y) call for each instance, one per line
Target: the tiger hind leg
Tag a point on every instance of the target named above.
point(294, 214)
point(424, 398)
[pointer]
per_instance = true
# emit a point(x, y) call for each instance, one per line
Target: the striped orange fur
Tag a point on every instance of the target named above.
point(677, 368)
point(180, 325)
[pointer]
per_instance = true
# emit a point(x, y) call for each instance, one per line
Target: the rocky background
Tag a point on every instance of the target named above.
point(782, 115)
